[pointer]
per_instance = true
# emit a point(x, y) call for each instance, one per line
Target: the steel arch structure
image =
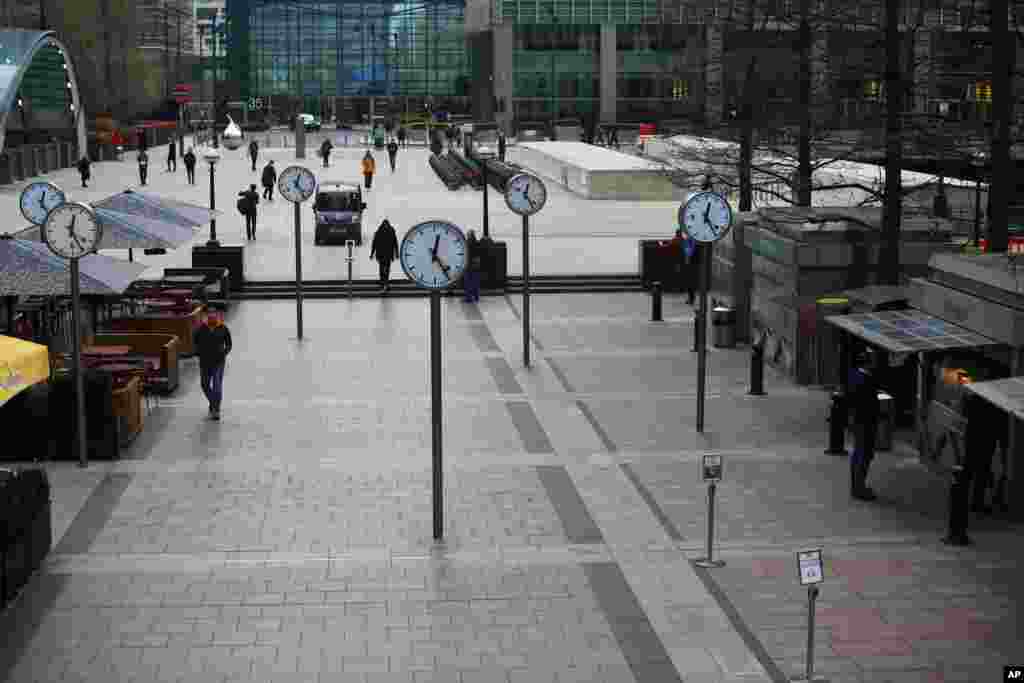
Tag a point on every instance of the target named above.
point(38, 84)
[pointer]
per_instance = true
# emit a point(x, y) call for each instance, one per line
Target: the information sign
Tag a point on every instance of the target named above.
point(811, 571)
point(711, 467)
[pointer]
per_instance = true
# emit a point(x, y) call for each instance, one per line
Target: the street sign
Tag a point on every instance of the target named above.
point(811, 571)
point(711, 467)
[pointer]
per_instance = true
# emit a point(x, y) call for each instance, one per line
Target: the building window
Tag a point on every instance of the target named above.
point(983, 92)
point(680, 89)
point(873, 89)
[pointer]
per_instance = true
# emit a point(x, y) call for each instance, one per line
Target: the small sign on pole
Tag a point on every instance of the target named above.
point(809, 562)
point(711, 468)
point(711, 472)
point(810, 569)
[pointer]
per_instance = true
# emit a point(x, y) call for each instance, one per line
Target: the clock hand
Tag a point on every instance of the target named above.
point(433, 252)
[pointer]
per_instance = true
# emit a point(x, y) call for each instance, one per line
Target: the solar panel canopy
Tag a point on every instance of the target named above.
point(908, 330)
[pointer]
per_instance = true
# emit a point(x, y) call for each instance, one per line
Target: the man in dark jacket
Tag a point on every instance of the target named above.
point(212, 344)
point(474, 263)
point(864, 394)
point(254, 151)
point(501, 146)
point(83, 170)
point(269, 178)
point(172, 157)
point(392, 153)
point(190, 166)
point(401, 136)
point(143, 165)
point(325, 152)
point(385, 247)
point(251, 199)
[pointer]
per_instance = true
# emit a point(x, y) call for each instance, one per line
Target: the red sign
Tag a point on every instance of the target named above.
point(182, 99)
point(182, 88)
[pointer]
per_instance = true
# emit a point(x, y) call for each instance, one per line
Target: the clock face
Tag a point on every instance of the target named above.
point(38, 200)
point(72, 231)
point(706, 216)
point(525, 194)
point(296, 183)
point(433, 254)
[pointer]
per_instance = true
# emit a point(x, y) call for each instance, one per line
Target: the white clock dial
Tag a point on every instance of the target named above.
point(525, 194)
point(706, 216)
point(296, 183)
point(433, 254)
point(39, 199)
point(72, 231)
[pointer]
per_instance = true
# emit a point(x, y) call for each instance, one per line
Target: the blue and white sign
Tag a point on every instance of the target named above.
point(811, 570)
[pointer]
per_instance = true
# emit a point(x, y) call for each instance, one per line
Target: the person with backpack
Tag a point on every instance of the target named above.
point(172, 157)
point(254, 150)
point(83, 170)
point(269, 178)
point(190, 166)
point(325, 152)
point(392, 153)
point(247, 202)
point(385, 248)
point(401, 136)
point(369, 166)
point(143, 160)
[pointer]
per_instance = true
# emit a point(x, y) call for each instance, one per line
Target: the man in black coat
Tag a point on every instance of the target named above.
point(190, 166)
point(385, 247)
point(83, 170)
point(325, 152)
point(172, 157)
point(269, 178)
point(251, 198)
point(212, 344)
point(866, 408)
point(254, 150)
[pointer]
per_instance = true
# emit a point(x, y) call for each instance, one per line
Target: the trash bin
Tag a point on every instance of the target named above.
point(883, 440)
point(723, 324)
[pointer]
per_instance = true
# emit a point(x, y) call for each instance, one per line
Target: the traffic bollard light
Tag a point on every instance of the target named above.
point(837, 425)
point(958, 497)
point(656, 302)
point(757, 367)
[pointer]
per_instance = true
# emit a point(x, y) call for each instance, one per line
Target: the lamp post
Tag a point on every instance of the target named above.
point(979, 164)
point(482, 154)
point(212, 156)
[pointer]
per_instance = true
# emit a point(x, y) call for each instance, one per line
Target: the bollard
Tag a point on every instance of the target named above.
point(837, 425)
point(958, 497)
point(656, 302)
point(757, 367)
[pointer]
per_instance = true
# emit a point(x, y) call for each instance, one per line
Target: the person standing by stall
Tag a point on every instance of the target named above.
point(866, 408)
point(213, 344)
point(143, 160)
point(269, 178)
point(385, 248)
point(369, 166)
point(190, 166)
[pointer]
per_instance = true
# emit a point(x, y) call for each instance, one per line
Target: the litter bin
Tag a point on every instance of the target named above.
point(723, 324)
point(883, 440)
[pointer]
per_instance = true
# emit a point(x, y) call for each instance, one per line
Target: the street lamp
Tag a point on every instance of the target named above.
point(483, 154)
point(212, 156)
point(979, 163)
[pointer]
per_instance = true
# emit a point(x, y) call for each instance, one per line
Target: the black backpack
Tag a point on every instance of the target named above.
point(243, 206)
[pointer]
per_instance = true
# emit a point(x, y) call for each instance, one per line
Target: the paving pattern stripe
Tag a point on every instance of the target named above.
point(504, 377)
point(606, 439)
point(21, 619)
point(531, 432)
point(753, 644)
point(576, 520)
point(652, 503)
point(94, 515)
point(641, 646)
point(483, 338)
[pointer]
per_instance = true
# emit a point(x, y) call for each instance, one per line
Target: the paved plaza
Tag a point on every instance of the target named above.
point(292, 540)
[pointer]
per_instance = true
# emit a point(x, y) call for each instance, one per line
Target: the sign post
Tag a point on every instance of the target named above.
point(350, 258)
point(711, 472)
point(435, 413)
point(298, 269)
point(811, 570)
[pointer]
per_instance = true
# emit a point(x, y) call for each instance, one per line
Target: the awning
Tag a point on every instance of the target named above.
point(1007, 394)
point(908, 330)
point(22, 364)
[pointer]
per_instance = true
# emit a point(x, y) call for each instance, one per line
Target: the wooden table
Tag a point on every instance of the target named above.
point(106, 350)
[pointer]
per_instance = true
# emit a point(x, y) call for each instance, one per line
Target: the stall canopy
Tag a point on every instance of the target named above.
point(31, 269)
point(22, 364)
point(125, 231)
point(1007, 394)
point(908, 330)
point(142, 205)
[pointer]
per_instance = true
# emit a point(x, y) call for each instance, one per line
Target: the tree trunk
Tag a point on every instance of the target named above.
point(889, 257)
point(803, 171)
point(747, 139)
point(1001, 184)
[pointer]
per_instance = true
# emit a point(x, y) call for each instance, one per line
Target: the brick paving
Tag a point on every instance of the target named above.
point(291, 541)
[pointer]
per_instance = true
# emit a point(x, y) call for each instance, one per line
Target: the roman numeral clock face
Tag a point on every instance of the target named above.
point(433, 254)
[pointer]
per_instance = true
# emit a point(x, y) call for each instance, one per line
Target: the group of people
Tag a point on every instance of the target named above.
point(142, 158)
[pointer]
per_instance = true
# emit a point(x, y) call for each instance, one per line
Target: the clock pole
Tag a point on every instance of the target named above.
point(526, 291)
point(298, 269)
point(76, 360)
point(702, 333)
point(435, 412)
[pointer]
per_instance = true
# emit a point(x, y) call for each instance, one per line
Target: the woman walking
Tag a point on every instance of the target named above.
point(369, 166)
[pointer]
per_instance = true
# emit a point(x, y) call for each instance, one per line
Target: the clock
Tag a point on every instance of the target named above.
point(296, 184)
point(72, 230)
point(433, 254)
point(525, 194)
point(39, 199)
point(706, 216)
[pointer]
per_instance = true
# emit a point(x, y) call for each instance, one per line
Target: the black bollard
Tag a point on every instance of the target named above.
point(837, 425)
point(958, 496)
point(656, 302)
point(757, 367)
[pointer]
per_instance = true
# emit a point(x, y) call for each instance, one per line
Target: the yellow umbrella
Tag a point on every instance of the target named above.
point(22, 364)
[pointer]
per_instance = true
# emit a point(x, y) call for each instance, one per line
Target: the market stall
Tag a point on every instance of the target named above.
point(22, 364)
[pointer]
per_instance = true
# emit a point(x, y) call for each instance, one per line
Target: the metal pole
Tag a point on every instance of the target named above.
point(349, 258)
point(435, 412)
point(709, 560)
point(76, 367)
point(977, 208)
point(702, 349)
point(812, 593)
point(213, 221)
point(298, 269)
point(483, 162)
point(526, 290)
point(922, 406)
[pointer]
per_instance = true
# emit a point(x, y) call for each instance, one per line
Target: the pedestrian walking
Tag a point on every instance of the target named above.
point(385, 248)
point(683, 249)
point(866, 408)
point(190, 166)
point(248, 200)
point(83, 170)
point(369, 166)
point(325, 152)
point(213, 344)
point(401, 136)
point(172, 157)
point(254, 151)
point(269, 178)
point(474, 264)
point(436, 146)
point(392, 153)
point(501, 146)
point(143, 160)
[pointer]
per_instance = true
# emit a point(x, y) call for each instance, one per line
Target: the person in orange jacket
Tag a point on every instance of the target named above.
point(369, 166)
